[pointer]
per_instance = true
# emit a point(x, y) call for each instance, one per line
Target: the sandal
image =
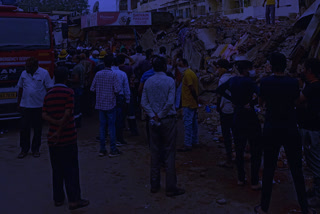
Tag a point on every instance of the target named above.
point(81, 203)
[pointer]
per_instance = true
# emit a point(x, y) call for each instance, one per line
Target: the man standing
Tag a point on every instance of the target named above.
point(123, 100)
point(77, 84)
point(62, 140)
point(33, 85)
point(158, 102)
point(310, 127)
point(225, 108)
point(190, 93)
point(107, 87)
point(279, 94)
point(271, 10)
point(138, 57)
point(246, 124)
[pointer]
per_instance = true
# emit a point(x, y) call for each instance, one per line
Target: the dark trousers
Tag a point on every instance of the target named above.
point(226, 128)
point(65, 172)
point(132, 114)
point(247, 129)
point(163, 146)
point(78, 93)
point(120, 117)
point(274, 139)
point(31, 118)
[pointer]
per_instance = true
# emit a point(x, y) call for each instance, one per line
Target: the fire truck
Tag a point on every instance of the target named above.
point(23, 35)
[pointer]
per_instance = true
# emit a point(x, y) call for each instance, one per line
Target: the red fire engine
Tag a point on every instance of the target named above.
point(23, 35)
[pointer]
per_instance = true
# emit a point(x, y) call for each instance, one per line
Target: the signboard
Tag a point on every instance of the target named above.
point(116, 19)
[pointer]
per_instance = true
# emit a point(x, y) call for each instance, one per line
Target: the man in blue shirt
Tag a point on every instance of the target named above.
point(246, 123)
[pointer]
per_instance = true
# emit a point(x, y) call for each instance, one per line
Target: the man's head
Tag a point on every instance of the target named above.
point(159, 64)
point(278, 62)
point(183, 63)
point(120, 59)
point(149, 53)
point(223, 63)
point(108, 60)
point(95, 54)
point(244, 66)
point(124, 50)
point(76, 59)
point(83, 56)
point(163, 50)
point(61, 75)
point(139, 49)
point(312, 68)
point(32, 65)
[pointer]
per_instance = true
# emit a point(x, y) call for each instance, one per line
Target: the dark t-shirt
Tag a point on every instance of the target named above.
point(311, 120)
point(241, 88)
point(280, 94)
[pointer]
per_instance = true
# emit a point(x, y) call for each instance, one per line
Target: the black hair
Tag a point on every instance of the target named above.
point(278, 62)
point(243, 65)
point(149, 53)
point(223, 63)
point(108, 60)
point(32, 61)
point(314, 65)
point(124, 50)
point(120, 59)
point(61, 74)
point(159, 64)
point(163, 50)
point(139, 49)
point(185, 62)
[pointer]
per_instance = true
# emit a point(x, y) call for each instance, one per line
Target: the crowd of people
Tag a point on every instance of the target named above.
point(124, 86)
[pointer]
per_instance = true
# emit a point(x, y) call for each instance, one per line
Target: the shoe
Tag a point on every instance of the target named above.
point(155, 189)
point(58, 204)
point(225, 164)
point(81, 203)
point(314, 202)
point(185, 149)
point(176, 192)
point(258, 210)
point(22, 155)
point(119, 144)
point(36, 154)
point(115, 153)
point(242, 183)
point(256, 187)
point(103, 153)
point(196, 146)
point(123, 142)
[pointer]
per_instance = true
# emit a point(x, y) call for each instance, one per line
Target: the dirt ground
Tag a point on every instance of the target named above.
point(121, 184)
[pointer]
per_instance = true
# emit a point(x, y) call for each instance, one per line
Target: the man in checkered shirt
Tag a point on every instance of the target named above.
point(107, 87)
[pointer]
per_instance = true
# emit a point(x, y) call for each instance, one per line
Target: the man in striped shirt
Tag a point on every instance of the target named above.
point(58, 110)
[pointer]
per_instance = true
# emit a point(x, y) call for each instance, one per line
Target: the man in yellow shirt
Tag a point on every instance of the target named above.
point(190, 93)
point(271, 10)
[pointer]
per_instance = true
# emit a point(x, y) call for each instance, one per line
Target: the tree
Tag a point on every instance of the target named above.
point(55, 5)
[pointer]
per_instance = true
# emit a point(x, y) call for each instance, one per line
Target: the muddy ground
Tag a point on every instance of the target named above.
point(121, 184)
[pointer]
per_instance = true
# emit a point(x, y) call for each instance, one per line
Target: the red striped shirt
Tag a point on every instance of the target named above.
point(57, 101)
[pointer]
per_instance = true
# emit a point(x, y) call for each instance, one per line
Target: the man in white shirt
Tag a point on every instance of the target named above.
point(123, 100)
point(138, 57)
point(33, 85)
point(158, 99)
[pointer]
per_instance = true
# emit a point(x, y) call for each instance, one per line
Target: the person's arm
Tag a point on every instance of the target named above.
point(222, 90)
point(48, 81)
point(126, 88)
point(116, 84)
point(20, 92)
point(170, 101)
point(140, 90)
point(130, 59)
point(61, 122)
point(146, 104)
point(264, 3)
point(278, 4)
point(94, 83)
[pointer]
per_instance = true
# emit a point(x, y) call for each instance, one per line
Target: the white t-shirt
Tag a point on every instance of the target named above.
point(34, 88)
point(138, 57)
point(226, 105)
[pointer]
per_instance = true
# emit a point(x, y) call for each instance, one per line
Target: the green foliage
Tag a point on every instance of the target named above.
point(55, 5)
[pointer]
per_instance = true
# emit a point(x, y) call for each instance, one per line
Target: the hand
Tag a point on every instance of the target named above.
point(156, 118)
point(278, 6)
point(263, 5)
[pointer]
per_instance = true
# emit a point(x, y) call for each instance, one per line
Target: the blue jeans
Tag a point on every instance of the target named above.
point(270, 14)
point(110, 117)
point(190, 118)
